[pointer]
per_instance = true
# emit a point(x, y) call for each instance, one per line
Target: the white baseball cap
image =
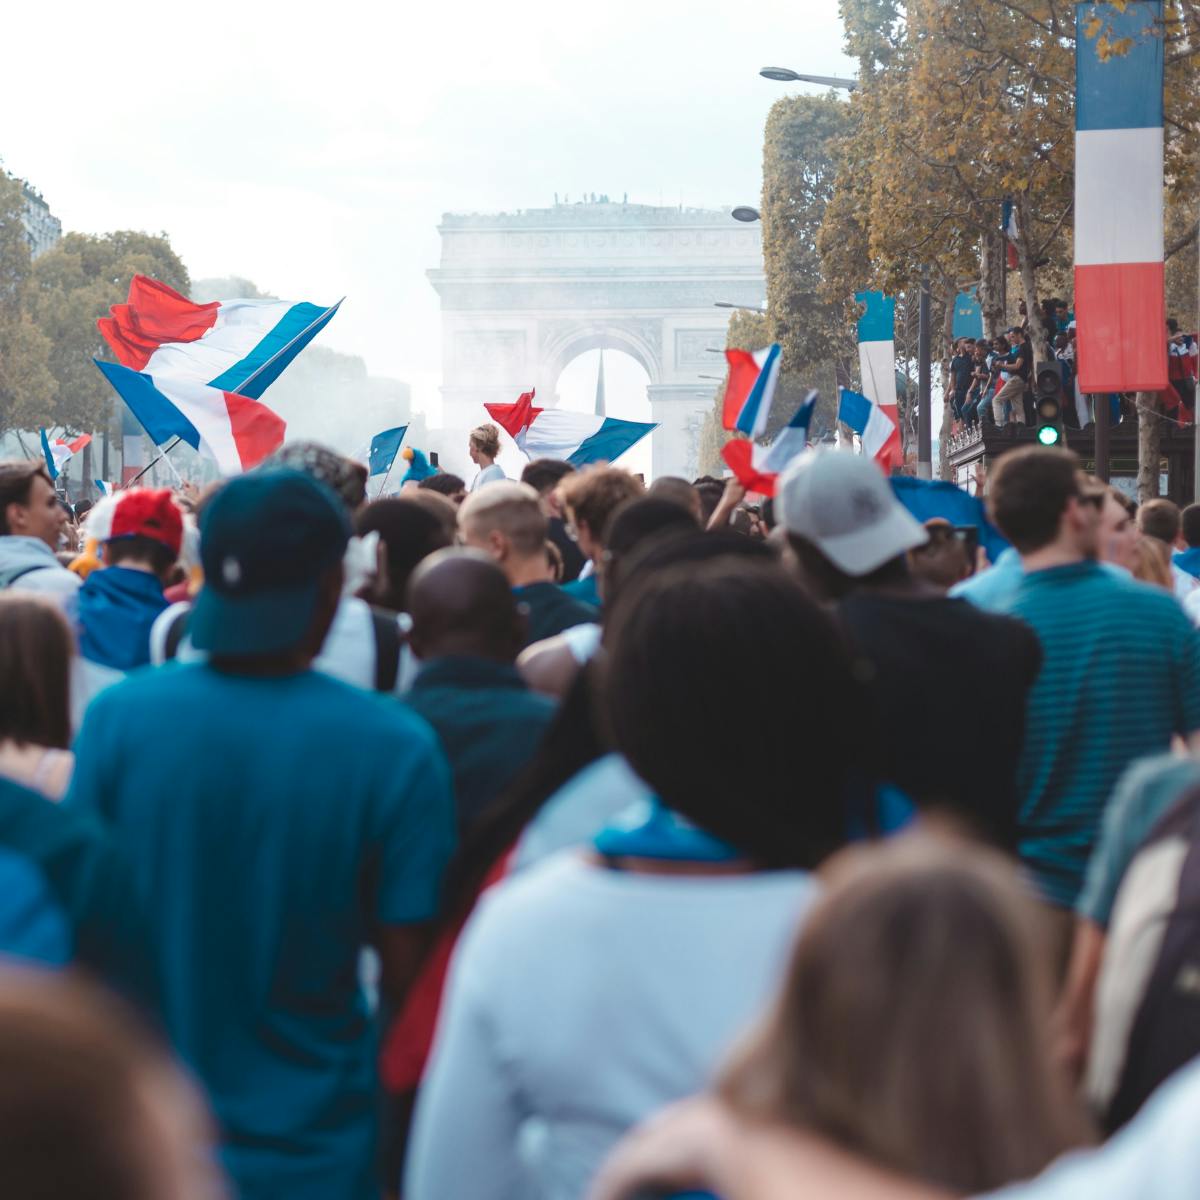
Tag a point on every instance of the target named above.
point(842, 503)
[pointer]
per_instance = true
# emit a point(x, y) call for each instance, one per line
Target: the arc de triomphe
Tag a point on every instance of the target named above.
point(525, 293)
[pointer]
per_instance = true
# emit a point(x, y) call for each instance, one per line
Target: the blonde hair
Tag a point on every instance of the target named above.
point(595, 493)
point(1152, 562)
point(486, 439)
point(510, 508)
point(914, 1024)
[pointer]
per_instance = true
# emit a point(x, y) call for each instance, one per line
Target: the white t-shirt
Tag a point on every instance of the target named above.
point(492, 474)
point(1155, 1157)
point(581, 1000)
point(348, 652)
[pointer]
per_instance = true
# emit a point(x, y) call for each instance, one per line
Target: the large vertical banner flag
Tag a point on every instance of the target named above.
point(1119, 301)
point(877, 366)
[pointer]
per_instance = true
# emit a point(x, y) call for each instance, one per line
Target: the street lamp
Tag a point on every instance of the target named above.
point(787, 75)
point(743, 307)
point(744, 212)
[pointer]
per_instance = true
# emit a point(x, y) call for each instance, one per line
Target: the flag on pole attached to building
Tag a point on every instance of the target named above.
point(877, 366)
point(384, 447)
point(1120, 304)
point(757, 467)
point(750, 389)
point(59, 452)
point(968, 316)
point(880, 437)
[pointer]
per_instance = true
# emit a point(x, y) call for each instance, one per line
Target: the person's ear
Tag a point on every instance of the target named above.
point(498, 545)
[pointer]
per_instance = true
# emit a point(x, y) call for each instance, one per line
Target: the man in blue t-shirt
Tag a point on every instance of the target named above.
point(1120, 669)
point(277, 822)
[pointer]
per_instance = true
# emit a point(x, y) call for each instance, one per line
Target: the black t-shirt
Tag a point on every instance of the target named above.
point(1020, 360)
point(948, 685)
point(961, 366)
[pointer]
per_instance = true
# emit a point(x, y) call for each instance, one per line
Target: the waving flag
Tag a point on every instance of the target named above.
point(577, 438)
point(750, 389)
point(60, 452)
point(928, 498)
point(877, 365)
point(239, 346)
point(1119, 297)
point(757, 467)
point(880, 437)
point(234, 430)
point(104, 487)
point(383, 450)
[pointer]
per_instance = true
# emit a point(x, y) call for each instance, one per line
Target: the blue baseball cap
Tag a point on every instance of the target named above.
point(266, 540)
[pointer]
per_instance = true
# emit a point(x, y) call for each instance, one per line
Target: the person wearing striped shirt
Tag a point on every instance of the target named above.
point(1120, 670)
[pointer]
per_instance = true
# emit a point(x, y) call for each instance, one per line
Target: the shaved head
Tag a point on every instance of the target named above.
point(461, 604)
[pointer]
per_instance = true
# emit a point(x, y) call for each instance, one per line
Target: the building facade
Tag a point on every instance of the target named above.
point(42, 227)
point(523, 294)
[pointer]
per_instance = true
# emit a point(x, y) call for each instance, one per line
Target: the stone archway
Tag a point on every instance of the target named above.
point(524, 293)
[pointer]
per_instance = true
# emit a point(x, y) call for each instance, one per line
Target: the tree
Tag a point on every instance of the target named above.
point(73, 285)
point(801, 156)
point(27, 388)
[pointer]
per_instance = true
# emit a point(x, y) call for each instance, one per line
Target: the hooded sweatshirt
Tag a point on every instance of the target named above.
point(117, 607)
point(28, 564)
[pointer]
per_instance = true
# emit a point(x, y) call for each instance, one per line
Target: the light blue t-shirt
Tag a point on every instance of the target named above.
point(272, 825)
point(993, 588)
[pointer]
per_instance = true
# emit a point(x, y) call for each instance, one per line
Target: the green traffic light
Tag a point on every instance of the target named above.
point(1048, 435)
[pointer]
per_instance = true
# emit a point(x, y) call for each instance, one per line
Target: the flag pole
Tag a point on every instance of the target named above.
point(386, 473)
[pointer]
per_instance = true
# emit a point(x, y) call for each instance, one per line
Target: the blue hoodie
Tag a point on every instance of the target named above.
point(1189, 561)
point(117, 607)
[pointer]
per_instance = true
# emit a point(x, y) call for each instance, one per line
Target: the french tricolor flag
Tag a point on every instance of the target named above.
point(196, 371)
point(750, 389)
point(577, 438)
point(880, 437)
point(877, 366)
point(1120, 304)
point(758, 467)
point(60, 452)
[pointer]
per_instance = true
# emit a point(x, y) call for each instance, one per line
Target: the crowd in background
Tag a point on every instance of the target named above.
point(991, 381)
point(428, 845)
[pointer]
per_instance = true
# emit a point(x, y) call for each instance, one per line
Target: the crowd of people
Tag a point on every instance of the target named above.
point(566, 838)
point(990, 382)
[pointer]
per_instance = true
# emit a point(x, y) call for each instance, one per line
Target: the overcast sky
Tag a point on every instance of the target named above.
point(313, 148)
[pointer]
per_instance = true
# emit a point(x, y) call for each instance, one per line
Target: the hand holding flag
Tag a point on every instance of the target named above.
point(757, 467)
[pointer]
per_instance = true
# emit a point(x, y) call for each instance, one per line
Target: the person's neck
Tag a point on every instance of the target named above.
point(1057, 554)
point(523, 572)
point(132, 564)
point(263, 666)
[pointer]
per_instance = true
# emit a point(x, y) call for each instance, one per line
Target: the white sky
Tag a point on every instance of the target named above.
point(313, 148)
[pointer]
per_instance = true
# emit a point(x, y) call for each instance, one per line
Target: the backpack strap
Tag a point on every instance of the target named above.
point(175, 632)
point(26, 571)
point(388, 643)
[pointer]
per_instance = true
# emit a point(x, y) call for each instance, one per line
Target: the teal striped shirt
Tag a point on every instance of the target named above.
point(1120, 674)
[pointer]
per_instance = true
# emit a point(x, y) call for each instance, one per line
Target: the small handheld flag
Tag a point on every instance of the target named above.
point(880, 437)
point(577, 438)
point(60, 452)
point(751, 389)
point(758, 467)
point(384, 447)
point(104, 486)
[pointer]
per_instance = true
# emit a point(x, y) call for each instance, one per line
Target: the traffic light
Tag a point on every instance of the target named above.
point(1048, 393)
